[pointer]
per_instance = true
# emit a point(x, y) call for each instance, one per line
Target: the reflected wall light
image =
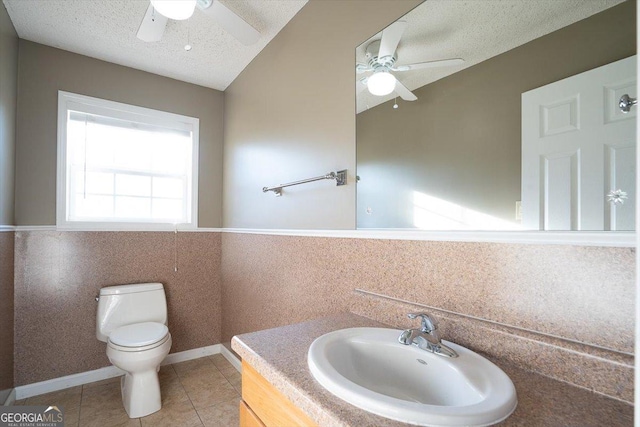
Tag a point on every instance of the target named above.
point(175, 9)
point(381, 83)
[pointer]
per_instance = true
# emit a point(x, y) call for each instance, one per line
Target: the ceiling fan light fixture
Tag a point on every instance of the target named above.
point(175, 9)
point(381, 83)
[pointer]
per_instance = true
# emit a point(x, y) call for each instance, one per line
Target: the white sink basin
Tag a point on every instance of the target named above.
point(370, 369)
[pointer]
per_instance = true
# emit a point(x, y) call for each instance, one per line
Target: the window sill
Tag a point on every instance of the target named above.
point(124, 226)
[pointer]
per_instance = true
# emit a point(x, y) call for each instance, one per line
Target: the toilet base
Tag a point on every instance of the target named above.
point(140, 385)
point(141, 393)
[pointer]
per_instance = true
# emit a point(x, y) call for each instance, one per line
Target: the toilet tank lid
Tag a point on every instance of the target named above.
point(130, 289)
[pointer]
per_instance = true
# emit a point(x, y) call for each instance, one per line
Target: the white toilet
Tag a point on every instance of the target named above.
point(132, 321)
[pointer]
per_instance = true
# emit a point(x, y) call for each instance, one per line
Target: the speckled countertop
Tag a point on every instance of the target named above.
point(280, 355)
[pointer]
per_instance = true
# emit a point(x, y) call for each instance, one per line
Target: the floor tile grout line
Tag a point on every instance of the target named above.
point(227, 378)
point(220, 370)
point(197, 413)
point(238, 394)
point(187, 393)
point(84, 389)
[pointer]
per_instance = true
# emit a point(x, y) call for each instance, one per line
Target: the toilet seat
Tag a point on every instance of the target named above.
point(139, 336)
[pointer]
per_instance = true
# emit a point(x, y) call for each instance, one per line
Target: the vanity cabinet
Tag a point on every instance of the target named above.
point(264, 406)
point(248, 418)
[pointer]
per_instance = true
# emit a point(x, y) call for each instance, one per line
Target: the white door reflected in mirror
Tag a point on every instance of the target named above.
point(579, 151)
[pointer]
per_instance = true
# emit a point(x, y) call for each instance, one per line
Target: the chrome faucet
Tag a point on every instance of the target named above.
point(427, 337)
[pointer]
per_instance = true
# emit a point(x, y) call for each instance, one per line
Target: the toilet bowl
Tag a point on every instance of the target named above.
point(139, 349)
point(132, 321)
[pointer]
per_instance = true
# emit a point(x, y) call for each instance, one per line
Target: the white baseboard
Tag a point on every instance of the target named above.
point(11, 398)
point(195, 353)
point(231, 358)
point(55, 384)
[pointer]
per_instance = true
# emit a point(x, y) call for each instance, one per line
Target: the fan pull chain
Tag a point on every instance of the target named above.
point(188, 46)
point(175, 249)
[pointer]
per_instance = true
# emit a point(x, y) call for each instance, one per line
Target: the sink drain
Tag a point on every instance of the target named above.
point(422, 361)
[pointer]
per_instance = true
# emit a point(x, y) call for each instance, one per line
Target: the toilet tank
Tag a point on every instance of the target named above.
point(126, 304)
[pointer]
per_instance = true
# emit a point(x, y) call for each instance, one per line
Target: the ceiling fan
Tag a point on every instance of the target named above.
point(382, 56)
point(160, 11)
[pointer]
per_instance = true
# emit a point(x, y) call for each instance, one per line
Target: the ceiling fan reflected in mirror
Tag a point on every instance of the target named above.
point(159, 12)
point(382, 57)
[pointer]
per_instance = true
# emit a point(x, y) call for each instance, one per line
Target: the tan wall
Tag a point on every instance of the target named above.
point(58, 275)
point(291, 115)
point(44, 70)
point(8, 90)
point(461, 140)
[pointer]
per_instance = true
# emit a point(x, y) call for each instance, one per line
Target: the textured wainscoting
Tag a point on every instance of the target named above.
point(272, 281)
point(566, 296)
point(58, 275)
point(6, 313)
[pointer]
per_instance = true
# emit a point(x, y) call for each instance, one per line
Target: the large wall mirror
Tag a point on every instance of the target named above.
point(499, 115)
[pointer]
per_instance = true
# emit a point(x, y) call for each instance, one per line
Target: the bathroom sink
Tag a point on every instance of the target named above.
point(370, 369)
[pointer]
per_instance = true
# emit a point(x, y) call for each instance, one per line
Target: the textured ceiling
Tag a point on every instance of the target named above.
point(106, 29)
point(474, 31)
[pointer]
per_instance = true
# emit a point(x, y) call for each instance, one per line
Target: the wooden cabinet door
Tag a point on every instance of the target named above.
point(271, 406)
point(248, 418)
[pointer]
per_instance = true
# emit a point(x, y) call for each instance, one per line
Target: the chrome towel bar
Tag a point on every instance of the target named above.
point(339, 176)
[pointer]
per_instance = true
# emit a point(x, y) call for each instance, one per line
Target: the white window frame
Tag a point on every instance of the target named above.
point(75, 102)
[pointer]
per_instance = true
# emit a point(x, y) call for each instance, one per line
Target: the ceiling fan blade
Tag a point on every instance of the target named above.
point(362, 68)
point(430, 64)
point(361, 85)
point(404, 93)
point(391, 38)
point(232, 23)
point(152, 26)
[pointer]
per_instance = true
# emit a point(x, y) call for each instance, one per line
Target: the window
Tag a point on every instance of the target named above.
point(123, 164)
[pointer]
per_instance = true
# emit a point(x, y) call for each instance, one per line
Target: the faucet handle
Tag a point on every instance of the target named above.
point(428, 324)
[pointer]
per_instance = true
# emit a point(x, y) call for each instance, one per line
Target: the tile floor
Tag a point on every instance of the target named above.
point(202, 392)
